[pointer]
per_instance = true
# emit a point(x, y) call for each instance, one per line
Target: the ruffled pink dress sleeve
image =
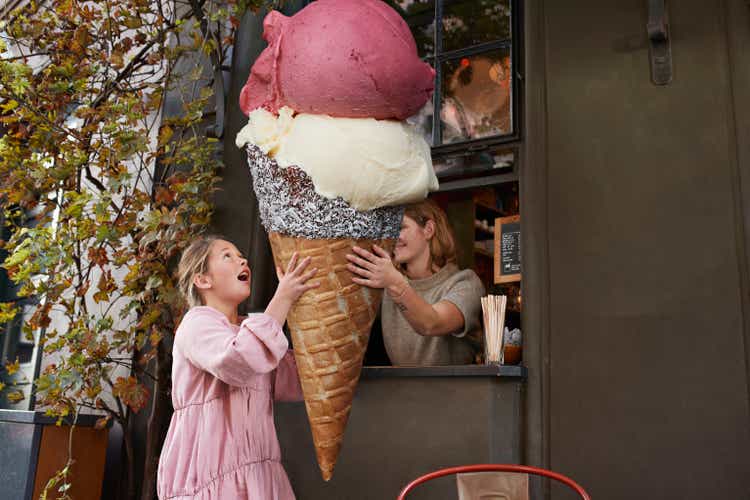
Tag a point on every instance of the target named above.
point(233, 357)
point(222, 441)
point(286, 380)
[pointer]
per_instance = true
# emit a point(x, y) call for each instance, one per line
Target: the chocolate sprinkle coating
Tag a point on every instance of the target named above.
point(289, 205)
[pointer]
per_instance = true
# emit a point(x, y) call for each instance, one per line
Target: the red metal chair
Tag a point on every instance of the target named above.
point(523, 469)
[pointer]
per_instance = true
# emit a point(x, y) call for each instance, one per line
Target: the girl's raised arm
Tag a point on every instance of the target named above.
point(208, 341)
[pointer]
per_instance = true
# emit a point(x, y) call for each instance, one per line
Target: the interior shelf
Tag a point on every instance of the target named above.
point(483, 252)
point(483, 234)
point(485, 211)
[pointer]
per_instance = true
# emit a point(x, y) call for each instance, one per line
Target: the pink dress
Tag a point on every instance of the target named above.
point(222, 442)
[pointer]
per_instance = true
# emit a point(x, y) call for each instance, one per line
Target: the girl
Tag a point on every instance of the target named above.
point(429, 305)
point(222, 442)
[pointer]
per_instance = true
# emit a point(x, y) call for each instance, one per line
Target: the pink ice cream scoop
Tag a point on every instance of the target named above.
point(344, 58)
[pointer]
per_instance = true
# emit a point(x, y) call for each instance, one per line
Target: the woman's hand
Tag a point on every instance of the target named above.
point(295, 281)
point(375, 270)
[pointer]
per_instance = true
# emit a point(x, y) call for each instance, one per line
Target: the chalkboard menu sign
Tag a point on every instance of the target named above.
point(508, 249)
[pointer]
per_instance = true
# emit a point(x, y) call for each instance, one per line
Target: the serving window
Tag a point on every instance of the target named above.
point(472, 124)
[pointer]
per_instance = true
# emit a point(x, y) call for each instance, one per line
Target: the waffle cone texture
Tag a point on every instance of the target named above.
point(330, 327)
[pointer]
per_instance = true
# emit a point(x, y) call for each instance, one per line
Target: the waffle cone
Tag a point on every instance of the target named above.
point(330, 327)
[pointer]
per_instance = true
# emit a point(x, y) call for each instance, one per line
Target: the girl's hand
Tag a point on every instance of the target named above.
point(295, 281)
point(375, 270)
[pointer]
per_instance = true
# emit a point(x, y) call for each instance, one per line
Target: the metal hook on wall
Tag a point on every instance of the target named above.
point(659, 42)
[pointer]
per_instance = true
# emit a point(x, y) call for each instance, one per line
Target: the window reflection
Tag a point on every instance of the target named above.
point(420, 16)
point(468, 163)
point(423, 121)
point(471, 22)
point(476, 96)
point(425, 38)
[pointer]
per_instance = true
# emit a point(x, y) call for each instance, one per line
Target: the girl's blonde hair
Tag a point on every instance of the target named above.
point(194, 261)
point(442, 244)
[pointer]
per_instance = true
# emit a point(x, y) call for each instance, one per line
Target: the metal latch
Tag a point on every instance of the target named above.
point(659, 50)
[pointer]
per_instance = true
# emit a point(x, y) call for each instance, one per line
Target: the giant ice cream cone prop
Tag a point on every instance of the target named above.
point(330, 329)
point(332, 167)
point(330, 325)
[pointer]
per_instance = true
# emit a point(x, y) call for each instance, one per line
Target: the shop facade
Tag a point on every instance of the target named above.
point(634, 378)
point(633, 291)
point(407, 421)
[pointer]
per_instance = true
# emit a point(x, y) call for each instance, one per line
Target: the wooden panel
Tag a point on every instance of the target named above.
point(534, 238)
point(647, 351)
point(403, 427)
point(89, 451)
point(738, 34)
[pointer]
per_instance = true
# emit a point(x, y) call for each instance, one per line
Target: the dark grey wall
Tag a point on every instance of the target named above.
point(738, 38)
point(641, 352)
point(403, 427)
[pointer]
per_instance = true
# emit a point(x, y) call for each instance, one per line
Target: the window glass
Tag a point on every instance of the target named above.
point(469, 43)
point(476, 96)
point(471, 22)
point(423, 120)
point(420, 16)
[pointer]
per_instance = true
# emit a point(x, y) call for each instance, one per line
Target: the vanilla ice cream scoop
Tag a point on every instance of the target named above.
point(369, 163)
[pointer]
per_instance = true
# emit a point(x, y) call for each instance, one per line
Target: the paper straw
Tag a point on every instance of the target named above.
point(493, 312)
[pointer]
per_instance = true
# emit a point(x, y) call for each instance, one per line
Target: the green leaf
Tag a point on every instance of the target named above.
point(133, 22)
point(18, 257)
point(101, 296)
point(43, 383)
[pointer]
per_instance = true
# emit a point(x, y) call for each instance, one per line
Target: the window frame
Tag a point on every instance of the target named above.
point(516, 50)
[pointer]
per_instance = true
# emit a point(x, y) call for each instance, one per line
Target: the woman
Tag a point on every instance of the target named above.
point(429, 305)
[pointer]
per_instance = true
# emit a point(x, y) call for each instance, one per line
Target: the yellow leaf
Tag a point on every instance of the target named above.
point(165, 134)
point(102, 422)
point(7, 312)
point(10, 105)
point(116, 59)
point(15, 396)
point(12, 368)
point(155, 337)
